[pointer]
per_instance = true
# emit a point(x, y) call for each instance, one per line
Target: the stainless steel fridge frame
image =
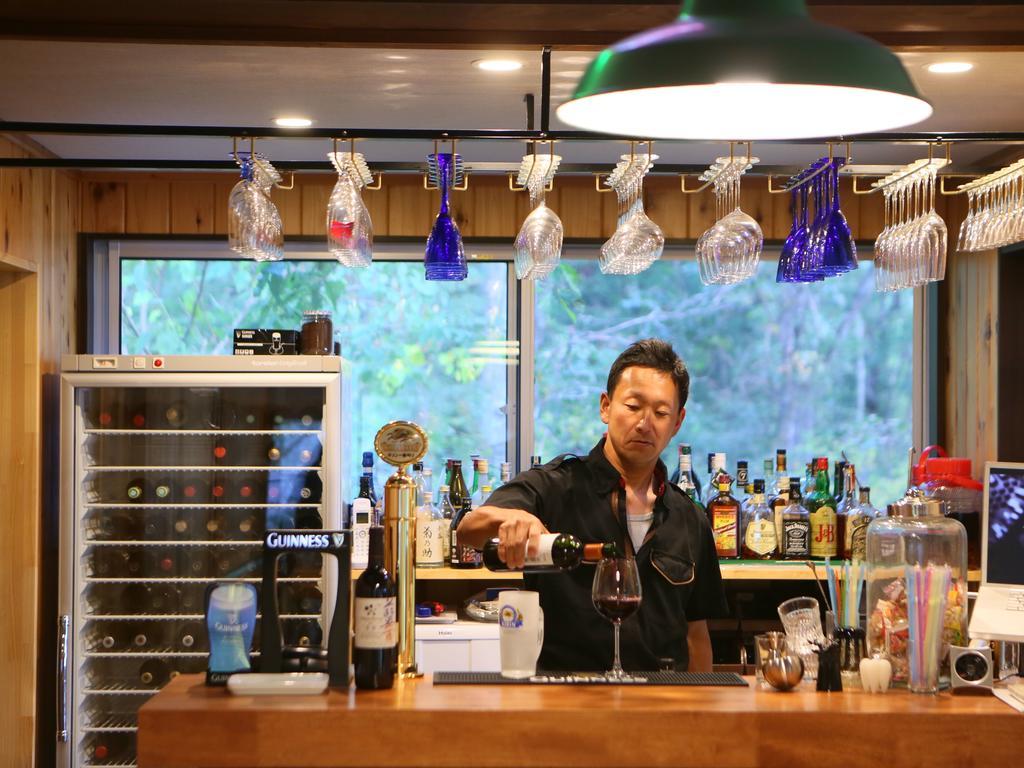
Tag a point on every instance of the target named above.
point(124, 371)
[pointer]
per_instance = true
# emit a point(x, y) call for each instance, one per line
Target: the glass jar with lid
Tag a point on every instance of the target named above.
point(917, 533)
point(317, 334)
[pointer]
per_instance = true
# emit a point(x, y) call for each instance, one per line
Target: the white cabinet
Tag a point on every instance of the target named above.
point(465, 646)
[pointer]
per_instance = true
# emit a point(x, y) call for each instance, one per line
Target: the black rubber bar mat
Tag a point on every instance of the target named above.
point(730, 679)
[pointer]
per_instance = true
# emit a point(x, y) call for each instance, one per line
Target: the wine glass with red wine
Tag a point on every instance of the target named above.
point(616, 595)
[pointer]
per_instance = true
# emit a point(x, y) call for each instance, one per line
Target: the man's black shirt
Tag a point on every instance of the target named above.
point(677, 563)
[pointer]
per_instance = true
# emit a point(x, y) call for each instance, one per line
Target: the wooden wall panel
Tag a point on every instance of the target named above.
point(148, 206)
point(103, 207)
point(19, 513)
point(192, 207)
point(39, 210)
point(185, 204)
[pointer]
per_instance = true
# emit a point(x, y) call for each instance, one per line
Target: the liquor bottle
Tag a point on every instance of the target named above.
point(417, 477)
point(161, 598)
point(760, 541)
point(110, 638)
point(742, 475)
point(716, 465)
point(194, 490)
point(481, 480)
point(448, 472)
point(248, 528)
point(796, 526)
point(429, 542)
point(857, 523)
point(724, 513)
point(555, 552)
point(506, 473)
point(306, 633)
point(820, 507)
point(846, 507)
point(457, 491)
point(193, 562)
point(160, 563)
point(180, 527)
point(135, 490)
point(216, 527)
point(837, 493)
point(112, 525)
point(163, 491)
point(463, 555)
point(366, 492)
point(154, 673)
point(428, 481)
point(684, 479)
point(175, 415)
point(781, 473)
point(475, 460)
point(375, 645)
point(191, 636)
point(808, 485)
point(535, 461)
point(449, 514)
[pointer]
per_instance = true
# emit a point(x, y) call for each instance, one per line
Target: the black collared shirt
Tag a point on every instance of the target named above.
point(677, 563)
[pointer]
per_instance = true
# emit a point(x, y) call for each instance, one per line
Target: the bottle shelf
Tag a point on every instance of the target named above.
point(128, 764)
point(177, 543)
point(737, 570)
point(117, 689)
point(158, 653)
point(210, 431)
point(113, 724)
point(180, 616)
point(197, 580)
point(206, 468)
point(208, 505)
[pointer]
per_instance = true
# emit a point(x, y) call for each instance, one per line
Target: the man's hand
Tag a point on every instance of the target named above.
point(517, 532)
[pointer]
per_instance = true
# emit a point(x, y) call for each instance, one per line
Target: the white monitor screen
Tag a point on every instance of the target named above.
point(1005, 532)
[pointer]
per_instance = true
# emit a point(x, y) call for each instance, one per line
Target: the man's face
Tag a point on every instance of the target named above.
point(642, 415)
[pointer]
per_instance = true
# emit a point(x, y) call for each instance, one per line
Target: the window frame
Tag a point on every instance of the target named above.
point(103, 284)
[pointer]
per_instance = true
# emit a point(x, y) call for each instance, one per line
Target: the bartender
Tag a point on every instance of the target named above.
point(619, 492)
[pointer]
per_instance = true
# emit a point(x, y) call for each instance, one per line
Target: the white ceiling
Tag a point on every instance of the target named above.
point(389, 88)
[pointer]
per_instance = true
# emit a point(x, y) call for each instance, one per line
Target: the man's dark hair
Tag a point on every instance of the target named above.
point(656, 354)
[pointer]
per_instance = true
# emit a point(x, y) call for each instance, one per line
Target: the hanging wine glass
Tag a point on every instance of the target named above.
point(349, 228)
point(637, 242)
point(445, 258)
point(239, 215)
point(538, 245)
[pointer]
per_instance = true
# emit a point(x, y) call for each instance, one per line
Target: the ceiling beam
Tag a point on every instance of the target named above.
point(565, 24)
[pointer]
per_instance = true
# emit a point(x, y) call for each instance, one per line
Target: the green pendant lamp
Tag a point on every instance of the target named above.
point(744, 69)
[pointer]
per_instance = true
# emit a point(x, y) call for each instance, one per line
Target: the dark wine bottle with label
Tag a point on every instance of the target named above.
point(375, 646)
point(556, 552)
point(463, 555)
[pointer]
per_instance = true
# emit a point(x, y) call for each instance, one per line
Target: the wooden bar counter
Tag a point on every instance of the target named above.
point(417, 725)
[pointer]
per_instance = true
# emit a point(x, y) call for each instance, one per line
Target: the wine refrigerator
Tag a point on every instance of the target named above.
point(171, 469)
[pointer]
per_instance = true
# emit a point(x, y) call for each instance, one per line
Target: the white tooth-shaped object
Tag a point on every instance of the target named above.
point(875, 675)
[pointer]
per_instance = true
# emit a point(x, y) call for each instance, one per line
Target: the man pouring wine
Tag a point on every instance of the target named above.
point(617, 493)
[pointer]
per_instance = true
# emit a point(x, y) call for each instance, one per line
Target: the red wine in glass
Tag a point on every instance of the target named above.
point(617, 607)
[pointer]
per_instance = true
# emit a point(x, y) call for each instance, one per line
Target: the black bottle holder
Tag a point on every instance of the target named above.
point(274, 656)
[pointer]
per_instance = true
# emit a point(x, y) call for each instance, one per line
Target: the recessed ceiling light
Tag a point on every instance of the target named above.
point(498, 65)
point(293, 122)
point(950, 67)
point(396, 57)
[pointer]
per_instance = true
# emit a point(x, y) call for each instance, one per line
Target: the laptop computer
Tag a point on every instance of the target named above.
point(999, 610)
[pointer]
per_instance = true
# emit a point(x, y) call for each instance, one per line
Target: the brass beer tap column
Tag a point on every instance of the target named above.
point(400, 444)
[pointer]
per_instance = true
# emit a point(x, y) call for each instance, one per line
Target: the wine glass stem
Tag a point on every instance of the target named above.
point(617, 666)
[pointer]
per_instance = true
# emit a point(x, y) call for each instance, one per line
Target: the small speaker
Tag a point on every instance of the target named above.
point(970, 669)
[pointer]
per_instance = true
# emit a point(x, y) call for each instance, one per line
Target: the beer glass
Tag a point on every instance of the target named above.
point(521, 632)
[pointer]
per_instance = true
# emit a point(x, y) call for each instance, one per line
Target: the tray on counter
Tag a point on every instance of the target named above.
point(593, 678)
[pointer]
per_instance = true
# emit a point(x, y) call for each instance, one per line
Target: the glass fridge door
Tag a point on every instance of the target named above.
point(174, 489)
